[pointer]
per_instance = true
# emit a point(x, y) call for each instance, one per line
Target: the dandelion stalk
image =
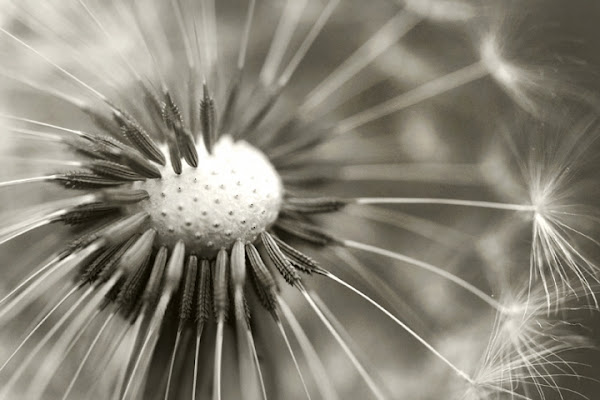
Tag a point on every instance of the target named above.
point(428, 267)
point(451, 202)
point(361, 370)
point(429, 90)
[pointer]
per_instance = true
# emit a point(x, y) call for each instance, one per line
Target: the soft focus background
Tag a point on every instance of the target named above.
point(456, 145)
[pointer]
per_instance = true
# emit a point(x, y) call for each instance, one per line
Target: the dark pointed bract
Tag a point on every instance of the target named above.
point(138, 137)
point(207, 120)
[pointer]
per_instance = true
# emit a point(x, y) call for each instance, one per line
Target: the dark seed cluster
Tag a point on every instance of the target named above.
point(119, 254)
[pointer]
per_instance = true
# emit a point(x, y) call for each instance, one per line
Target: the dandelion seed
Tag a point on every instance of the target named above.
point(528, 351)
point(168, 261)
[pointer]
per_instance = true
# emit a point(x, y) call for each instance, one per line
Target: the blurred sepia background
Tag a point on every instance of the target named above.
point(466, 143)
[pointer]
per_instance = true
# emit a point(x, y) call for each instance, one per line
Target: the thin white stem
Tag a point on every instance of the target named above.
point(87, 355)
point(196, 357)
point(140, 383)
point(190, 6)
point(31, 134)
point(22, 181)
point(172, 363)
point(511, 393)
point(149, 343)
point(138, 361)
point(60, 39)
point(439, 173)
point(139, 27)
point(450, 202)
point(428, 346)
point(427, 267)
point(317, 368)
point(110, 39)
point(53, 64)
point(291, 351)
point(46, 90)
point(53, 261)
point(307, 43)
point(37, 326)
point(383, 39)
point(61, 349)
point(44, 124)
point(283, 34)
point(250, 339)
point(184, 33)
point(106, 357)
point(420, 226)
point(21, 301)
point(357, 364)
point(246, 35)
point(428, 90)
point(129, 350)
point(218, 360)
point(41, 216)
point(210, 35)
point(56, 206)
point(241, 337)
point(52, 273)
point(28, 226)
point(43, 161)
point(40, 344)
point(382, 287)
point(214, 34)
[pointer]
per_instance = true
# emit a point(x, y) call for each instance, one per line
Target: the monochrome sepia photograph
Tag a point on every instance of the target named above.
point(299, 200)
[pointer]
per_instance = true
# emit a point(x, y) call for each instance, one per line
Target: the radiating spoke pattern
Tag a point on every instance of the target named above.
point(249, 205)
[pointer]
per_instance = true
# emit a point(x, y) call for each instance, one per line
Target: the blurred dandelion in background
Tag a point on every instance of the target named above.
point(298, 199)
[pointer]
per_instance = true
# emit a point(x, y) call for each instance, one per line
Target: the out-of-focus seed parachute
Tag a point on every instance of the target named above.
point(205, 162)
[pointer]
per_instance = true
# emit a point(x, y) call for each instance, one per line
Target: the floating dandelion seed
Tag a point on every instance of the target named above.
point(528, 353)
point(196, 200)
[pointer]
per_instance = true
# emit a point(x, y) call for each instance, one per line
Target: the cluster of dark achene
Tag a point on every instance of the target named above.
point(137, 261)
point(119, 258)
point(119, 241)
point(117, 253)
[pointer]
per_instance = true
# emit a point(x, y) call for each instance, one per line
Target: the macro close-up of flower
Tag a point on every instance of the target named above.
point(299, 199)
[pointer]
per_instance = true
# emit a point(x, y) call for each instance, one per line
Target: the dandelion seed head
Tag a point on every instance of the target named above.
point(209, 200)
point(198, 169)
point(536, 78)
point(528, 350)
point(558, 258)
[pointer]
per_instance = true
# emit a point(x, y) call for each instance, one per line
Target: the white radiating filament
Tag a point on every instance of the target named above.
point(291, 351)
point(281, 39)
point(218, 361)
point(307, 43)
point(357, 364)
point(383, 39)
point(428, 90)
point(451, 202)
point(429, 347)
point(319, 372)
point(41, 343)
point(428, 267)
